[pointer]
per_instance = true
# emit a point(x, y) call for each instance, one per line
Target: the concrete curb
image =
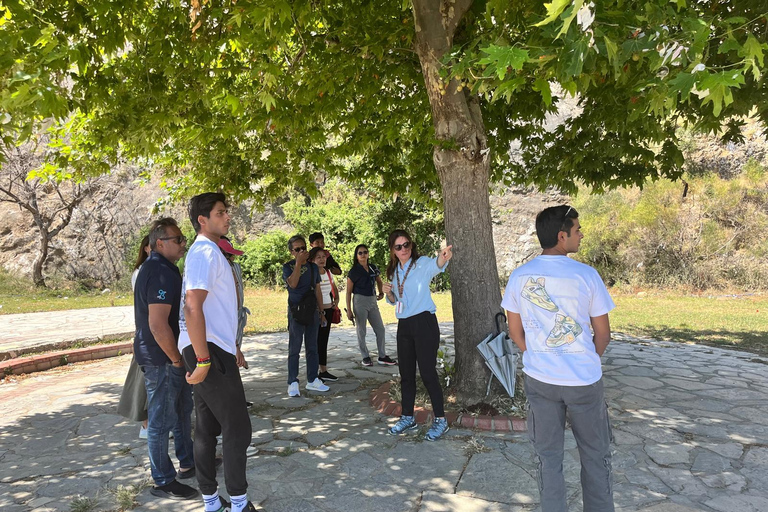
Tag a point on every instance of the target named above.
point(17, 352)
point(381, 401)
point(41, 362)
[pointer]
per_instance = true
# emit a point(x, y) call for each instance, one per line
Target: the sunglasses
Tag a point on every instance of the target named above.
point(399, 247)
point(565, 218)
point(299, 249)
point(362, 253)
point(181, 239)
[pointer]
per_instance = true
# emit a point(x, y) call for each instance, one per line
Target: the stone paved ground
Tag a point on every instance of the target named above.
point(689, 425)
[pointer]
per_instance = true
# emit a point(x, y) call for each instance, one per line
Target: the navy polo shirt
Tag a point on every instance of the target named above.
point(295, 294)
point(364, 282)
point(158, 282)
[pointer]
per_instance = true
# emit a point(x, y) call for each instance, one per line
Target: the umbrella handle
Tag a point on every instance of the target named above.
point(496, 319)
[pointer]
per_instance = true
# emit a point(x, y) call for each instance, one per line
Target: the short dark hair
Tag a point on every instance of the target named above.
point(159, 229)
point(294, 239)
point(315, 236)
point(314, 252)
point(551, 221)
point(202, 204)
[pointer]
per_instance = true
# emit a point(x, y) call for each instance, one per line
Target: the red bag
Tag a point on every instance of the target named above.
point(336, 316)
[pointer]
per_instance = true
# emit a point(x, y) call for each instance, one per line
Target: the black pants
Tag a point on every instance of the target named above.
point(322, 338)
point(418, 338)
point(220, 409)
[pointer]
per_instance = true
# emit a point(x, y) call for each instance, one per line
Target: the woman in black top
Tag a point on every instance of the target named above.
point(362, 281)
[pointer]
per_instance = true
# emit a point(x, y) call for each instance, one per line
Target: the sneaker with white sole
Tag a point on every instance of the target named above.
point(293, 389)
point(404, 424)
point(438, 428)
point(387, 361)
point(316, 385)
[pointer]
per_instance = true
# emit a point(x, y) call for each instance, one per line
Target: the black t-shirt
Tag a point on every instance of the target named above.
point(158, 282)
point(331, 264)
point(364, 282)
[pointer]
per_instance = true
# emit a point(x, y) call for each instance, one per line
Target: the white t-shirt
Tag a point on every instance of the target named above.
point(555, 297)
point(206, 268)
point(325, 288)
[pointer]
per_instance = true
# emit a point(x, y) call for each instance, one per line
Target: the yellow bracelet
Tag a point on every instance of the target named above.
point(200, 365)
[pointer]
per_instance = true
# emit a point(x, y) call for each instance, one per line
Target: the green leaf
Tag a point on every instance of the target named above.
point(554, 9)
point(504, 57)
point(683, 83)
point(543, 87)
point(716, 88)
point(570, 15)
point(574, 56)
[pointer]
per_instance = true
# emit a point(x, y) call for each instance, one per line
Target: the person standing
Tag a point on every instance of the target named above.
point(363, 280)
point(208, 342)
point(242, 312)
point(552, 302)
point(133, 399)
point(156, 299)
point(302, 278)
point(329, 293)
point(418, 335)
point(318, 240)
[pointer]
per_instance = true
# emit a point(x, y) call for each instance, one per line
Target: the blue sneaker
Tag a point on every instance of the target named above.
point(438, 428)
point(404, 424)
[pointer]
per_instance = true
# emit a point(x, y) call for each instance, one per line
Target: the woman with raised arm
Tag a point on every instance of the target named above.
point(418, 335)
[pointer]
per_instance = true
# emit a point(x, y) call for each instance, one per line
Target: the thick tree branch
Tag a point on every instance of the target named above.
point(453, 13)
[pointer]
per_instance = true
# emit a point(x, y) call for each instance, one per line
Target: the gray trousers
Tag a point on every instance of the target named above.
point(366, 309)
point(588, 413)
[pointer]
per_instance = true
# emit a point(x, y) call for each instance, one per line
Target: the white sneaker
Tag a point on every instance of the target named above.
point(316, 385)
point(293, 389)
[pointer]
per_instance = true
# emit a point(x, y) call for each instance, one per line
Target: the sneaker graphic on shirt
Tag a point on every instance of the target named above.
point(565, 331)
point(534, 292)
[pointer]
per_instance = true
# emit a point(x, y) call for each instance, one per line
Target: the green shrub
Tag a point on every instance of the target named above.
point(714, 237)
point(263, 258)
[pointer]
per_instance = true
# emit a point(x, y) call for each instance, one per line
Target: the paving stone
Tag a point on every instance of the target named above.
point(740, 503)
point(478, 482)
point(441, 502)
point(670, 507)
point(707, 462)
point(730, 450)
point(666, 454)
point(679, 480)
point(730, 481)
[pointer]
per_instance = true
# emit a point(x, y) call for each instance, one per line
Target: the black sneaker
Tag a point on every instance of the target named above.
point(324, 376)
point(251, 508)
point(224, 505)
point(367, 361)
point(174, 491)
point(387, 361)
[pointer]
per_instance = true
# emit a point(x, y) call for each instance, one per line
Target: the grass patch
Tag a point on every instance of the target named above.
point(735, 321)
point(19, 295)
point(81, 504)
point(475, 445)
point(125, 496)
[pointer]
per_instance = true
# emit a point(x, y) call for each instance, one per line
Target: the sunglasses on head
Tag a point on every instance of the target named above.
point(565, 218)
point(181, 239)
point(404, 245)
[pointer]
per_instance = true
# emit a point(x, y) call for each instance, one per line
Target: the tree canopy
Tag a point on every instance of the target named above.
point(255, 97)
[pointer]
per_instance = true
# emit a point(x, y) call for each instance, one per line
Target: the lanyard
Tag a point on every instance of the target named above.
point(400, 285)
point(237, 287)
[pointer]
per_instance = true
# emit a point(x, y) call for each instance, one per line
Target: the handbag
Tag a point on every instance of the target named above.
point(336, 314)
point(304, 310)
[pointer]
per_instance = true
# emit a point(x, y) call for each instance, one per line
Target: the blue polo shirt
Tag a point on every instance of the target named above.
point(158, 282)
point(417, 298)
point(295, 294)
point(364, 282)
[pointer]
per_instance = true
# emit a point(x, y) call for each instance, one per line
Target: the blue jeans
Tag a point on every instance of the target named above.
point(169, 407)
point(308, 334)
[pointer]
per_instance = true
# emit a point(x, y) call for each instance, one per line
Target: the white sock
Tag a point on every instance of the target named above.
point(239, 502)
point(212, 503)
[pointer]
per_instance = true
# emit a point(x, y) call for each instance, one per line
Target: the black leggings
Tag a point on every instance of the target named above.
point(322, 338)
point(418, 338)
point(220, 409)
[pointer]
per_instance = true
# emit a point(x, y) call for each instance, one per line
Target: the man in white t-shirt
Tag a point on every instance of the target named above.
point(207, 340)
point(558, 316)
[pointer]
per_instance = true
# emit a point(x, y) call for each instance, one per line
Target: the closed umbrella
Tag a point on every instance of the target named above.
point(500, 357)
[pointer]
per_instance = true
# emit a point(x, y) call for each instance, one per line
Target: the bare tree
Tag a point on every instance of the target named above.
point(50, 202)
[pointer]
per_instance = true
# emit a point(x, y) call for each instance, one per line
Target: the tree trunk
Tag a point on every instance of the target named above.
point(42, 256)
point(464, 178)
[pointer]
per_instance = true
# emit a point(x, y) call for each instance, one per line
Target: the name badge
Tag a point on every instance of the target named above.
point(399, 307)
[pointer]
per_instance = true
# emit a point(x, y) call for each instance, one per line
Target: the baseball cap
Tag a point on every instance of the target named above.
point(226, 246)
